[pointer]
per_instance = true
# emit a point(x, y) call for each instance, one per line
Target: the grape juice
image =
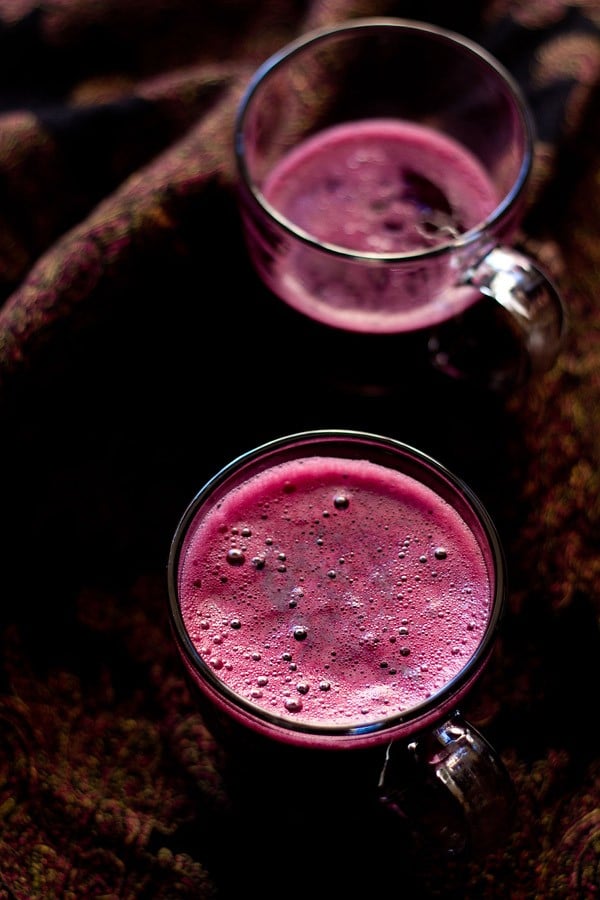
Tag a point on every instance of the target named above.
point(377, 187)
point(334, 592)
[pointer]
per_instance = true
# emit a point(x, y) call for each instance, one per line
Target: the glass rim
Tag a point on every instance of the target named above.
point(324, 437)
point(374, 24)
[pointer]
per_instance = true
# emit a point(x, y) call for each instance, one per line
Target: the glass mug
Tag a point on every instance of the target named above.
point(335, 596)
point(382, 167)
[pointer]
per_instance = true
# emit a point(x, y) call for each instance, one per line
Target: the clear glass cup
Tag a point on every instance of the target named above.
point(398, 241)
point(243, 597)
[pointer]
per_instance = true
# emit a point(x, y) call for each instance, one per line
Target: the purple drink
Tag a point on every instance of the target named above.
point(377, 186)
point(332, 594)
point(381, 186)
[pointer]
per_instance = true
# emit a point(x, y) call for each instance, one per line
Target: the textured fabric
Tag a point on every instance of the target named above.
point(135, 361)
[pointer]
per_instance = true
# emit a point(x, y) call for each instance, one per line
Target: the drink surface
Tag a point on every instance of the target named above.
point(381, 186)
point(334, 592)
point(385, 187)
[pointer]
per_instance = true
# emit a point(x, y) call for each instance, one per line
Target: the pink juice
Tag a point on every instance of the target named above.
point(377, 187)
point(332, 592)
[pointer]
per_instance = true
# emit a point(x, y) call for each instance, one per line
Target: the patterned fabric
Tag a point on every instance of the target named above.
point(135, 361)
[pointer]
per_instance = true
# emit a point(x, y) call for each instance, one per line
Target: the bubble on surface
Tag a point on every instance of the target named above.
point(235, 557)
point(300, 632)
point(258, 562)
point(293, 704)
point(302, 687)
point(235, 624)
point(341, 501)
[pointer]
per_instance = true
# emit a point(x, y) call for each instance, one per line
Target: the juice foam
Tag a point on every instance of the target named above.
point(334, 591)
point(380, 204)
point(381, 186)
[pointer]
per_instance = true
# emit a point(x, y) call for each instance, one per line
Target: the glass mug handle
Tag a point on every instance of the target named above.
point(536, 315)
point(450, 788)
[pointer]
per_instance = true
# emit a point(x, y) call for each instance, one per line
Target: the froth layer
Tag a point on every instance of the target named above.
point(334, 592)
